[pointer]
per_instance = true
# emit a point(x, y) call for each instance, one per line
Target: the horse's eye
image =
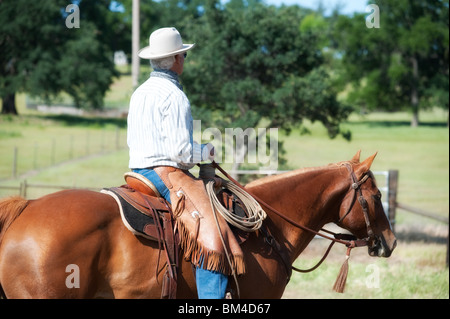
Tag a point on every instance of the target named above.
point(377, 196)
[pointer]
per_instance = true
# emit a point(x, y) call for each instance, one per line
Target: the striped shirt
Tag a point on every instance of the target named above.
point(160, 125)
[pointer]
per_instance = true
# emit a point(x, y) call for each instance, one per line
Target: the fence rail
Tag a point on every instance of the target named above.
point(424, 213)
point(20, 160)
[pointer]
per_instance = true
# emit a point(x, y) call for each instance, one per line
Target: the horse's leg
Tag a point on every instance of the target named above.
point(186, 287)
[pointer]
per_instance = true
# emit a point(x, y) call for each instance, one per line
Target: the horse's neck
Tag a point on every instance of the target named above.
point(307, 196)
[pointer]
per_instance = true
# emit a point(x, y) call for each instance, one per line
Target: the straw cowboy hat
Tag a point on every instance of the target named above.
point(163, 43)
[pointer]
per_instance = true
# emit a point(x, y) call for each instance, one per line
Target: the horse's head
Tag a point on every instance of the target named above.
point(362, 212)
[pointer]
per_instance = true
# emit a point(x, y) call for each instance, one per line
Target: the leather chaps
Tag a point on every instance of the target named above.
point(199, 235)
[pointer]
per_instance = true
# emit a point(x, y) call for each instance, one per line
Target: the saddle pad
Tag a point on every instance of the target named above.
point(135, 213)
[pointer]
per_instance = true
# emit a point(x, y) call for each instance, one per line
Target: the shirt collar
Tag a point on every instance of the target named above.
point(168, 75)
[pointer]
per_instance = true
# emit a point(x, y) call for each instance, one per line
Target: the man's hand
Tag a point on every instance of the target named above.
point(208, 152)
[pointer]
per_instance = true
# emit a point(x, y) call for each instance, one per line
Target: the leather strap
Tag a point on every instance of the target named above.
point(168, 240)
point(348, 240)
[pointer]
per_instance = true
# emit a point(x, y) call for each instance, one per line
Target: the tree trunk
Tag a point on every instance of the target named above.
point(415, 119)
point(9, 104)
point(415, 93)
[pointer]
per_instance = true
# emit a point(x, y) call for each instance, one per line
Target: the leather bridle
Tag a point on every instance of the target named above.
point(350, 241)
point(356, 186)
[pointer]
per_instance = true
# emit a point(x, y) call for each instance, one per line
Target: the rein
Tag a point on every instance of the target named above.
point(348, 240)
point(345, 239)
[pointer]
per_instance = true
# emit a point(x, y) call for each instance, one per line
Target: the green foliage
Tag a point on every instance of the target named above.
point(253, 62)
point(404, 63)
point(88, 69)
point(43, 57)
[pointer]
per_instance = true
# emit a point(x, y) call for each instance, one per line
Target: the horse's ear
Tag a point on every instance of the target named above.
point(365, 166)
point(355, 158)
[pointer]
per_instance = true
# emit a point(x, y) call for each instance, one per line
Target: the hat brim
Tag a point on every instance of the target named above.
point(145, 53)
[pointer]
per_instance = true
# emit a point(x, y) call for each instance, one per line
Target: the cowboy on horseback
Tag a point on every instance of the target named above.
point(161, 148)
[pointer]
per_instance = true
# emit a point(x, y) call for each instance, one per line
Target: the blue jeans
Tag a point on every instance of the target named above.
point(210, 284)
point(156, 180)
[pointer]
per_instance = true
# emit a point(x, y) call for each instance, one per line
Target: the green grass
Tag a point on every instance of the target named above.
point(118, 95)
point(415, 270)
point(420, 154)
point(43, 141)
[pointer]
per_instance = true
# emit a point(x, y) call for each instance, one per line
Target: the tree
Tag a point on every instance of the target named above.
point(252, 65)
point(404, 62)
point(43, 57)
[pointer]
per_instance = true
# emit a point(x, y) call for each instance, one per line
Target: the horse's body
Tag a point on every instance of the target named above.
point(73, 244)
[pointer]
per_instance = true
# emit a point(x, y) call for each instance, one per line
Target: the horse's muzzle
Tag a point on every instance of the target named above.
point(380, 248)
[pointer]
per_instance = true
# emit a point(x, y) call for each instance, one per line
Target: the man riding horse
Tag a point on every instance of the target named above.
point(161, 148)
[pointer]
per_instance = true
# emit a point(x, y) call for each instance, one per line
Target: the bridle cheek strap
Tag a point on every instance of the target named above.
point(356, 186)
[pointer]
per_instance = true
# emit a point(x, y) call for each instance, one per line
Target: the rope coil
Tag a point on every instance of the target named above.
point(255, 214)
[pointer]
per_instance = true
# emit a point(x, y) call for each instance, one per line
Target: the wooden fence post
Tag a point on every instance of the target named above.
point(392, 196)
point(23, 189)
point(446, 260)
point(15, 159)
point(117, 137)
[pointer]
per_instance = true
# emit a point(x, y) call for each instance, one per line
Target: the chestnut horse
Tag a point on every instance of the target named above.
point(73, 244)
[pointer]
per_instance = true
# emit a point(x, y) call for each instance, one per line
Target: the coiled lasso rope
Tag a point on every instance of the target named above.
point(255, 214)
point(251, 223)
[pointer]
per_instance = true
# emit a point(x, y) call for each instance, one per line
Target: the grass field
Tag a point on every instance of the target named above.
point(41, 142)
point(91, 152)
point(416, 270)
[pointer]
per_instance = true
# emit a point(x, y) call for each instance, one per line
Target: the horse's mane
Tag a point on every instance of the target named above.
point(297, 173)
point(10, 209)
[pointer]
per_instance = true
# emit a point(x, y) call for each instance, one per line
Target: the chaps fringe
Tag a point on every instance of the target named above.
point(214, 261)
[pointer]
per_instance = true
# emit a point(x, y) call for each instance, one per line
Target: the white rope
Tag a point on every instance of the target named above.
point(255, 214)
point(251, 223)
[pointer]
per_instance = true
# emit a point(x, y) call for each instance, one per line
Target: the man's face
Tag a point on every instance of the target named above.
point(178, 65)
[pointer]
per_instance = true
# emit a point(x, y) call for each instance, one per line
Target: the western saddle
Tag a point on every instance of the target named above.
point(145, 213)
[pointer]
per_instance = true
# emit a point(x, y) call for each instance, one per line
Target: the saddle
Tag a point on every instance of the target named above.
point(145, 213)
point(148, 215)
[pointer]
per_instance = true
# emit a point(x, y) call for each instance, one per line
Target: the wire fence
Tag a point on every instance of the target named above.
point(19, 160)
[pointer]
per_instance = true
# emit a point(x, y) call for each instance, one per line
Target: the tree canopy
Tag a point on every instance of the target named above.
point(252, 60)
point(255, 65)
point(40, 55)
point(403, 64)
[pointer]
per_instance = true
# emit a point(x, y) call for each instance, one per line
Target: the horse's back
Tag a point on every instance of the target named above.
point(73, 244)
point(54, 238)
